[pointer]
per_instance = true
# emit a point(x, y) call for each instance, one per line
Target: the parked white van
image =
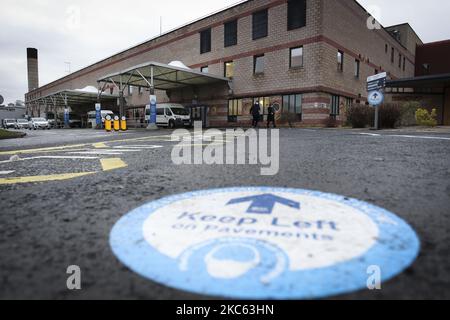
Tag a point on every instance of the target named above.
point(171, 115)
point(92, 117)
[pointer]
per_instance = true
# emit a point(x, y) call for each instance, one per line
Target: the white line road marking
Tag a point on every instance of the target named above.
point(105, 151)
point(6, 172)
point(50, 157)
point(138, 147)
point(370, 134)
point(405, 136)
point(419, 137)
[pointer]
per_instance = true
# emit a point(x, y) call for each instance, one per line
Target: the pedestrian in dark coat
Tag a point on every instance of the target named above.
point(271, 116)
point(255, 111)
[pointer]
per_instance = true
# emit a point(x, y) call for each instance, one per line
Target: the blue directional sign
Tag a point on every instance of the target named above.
point(375, 98)
point(264, 204)
point(98, 113)
point(152, 109)
point(66, 117)
point(264, 243)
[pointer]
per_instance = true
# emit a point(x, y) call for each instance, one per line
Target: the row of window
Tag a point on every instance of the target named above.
point(295, 61)
point(401, 58)
point(296, 18)
point(357, 65)
point(259, 62)
point(290, 104)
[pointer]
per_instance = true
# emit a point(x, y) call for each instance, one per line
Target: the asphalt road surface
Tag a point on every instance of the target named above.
point(63, 215)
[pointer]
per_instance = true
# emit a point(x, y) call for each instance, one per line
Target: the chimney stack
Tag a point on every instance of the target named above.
point(33, 73)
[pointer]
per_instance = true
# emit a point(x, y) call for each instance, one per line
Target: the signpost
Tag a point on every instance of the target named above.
point(66, 118)
point(152, 120)
point(98, 115)
point(375, 87)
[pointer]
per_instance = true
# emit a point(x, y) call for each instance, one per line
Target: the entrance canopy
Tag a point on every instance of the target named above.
point(423, 83)
point(160, 76)
point(73, 98)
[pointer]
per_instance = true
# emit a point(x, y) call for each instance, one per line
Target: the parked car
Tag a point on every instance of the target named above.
point(171, 115)
point(92, 117)
point(39, 123)
point(8, 123)
point(21, 124)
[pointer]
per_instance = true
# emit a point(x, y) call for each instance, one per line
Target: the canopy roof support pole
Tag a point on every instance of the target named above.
point(121, 89)
point(152, 81)
point(66, 111)
point(152, 123)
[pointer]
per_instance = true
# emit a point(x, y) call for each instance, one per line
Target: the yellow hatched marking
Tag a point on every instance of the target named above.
point(112, 164)
point(53, 177)
point(100, 145)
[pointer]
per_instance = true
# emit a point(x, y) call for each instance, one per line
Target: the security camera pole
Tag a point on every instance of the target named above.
point(375, 87)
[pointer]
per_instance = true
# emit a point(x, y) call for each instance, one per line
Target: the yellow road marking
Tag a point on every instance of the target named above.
point(112, 164)
point(107, 165)
point(41, 150)
point(52, 149)
point(100, 145)
point(53, 177)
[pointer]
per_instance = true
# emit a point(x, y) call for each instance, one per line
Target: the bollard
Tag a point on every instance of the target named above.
point(108, 127)
point(116, 123)
point(123, 124)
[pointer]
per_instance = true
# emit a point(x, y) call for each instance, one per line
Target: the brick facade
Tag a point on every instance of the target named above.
point(330, 26)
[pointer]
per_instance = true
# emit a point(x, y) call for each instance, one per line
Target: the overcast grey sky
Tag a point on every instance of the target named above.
point(84, 31)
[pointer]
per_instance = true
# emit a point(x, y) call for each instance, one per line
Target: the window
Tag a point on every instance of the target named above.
point(335, 105)
point(357, 67)
point(340, 60)
point(260, 24)
point(204, 69)
point(205, 41)
point(258, 64)
point(376, 71)
point(130, 90)
point(230, 32)
point(160, 112)
point(399, 60)
point(229, 69)
point(293, 104)
point(404, 63)
point(234, 109)
point(111, 90)
point(386, 47)
point(140, 90)
point(296, 14)
point(296, 60)
point(348, 102)
point(392, 55)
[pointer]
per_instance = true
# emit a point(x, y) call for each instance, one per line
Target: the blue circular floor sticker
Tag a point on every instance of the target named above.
point(264, 243)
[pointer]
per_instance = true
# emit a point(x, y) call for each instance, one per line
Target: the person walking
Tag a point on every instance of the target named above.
point(271, 116)
point(255, 111)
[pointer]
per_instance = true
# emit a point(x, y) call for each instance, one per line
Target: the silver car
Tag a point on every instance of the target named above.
point(39, 123)
point(9, 123)
point(21, 124)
